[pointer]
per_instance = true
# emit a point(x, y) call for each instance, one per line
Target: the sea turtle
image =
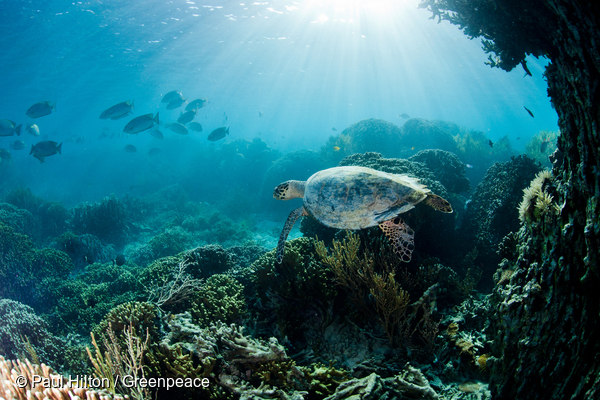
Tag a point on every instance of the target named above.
point(357, 198)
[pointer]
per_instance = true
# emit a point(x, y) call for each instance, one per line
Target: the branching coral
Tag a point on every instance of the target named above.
point(14, 373)
point(358, 276)
point(178, 288)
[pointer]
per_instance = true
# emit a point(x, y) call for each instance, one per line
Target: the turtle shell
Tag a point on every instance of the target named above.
point(358, 197)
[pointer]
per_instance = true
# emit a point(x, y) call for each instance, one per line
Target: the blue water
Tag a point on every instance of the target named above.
point(306, 66)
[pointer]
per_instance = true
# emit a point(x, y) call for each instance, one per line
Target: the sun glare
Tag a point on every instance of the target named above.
point(349, 10)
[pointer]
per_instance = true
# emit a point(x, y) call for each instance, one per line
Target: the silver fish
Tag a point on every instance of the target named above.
point(44, 149)
point(40, 109)
point(186, 117)
point(175, 104)
point(118, 111)
point(17, 145)
point(130, 148)
point(196, 104)
point(178, 128)
point(141, 123)
point(172, 96)
point(9, 128)
point(195, 126)
point(33, 129)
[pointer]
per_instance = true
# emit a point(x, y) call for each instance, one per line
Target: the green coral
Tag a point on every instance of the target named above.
point(77, 304)
point(301, 280)
point(22, 221)
point(221, 298)
point(168, 243)
point(16, 253)
point(139, 314)
point(366, 135)
point(108, 220)
point(23, 334)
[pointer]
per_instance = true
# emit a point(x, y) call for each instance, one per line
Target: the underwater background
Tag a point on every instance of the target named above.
point(151, 254)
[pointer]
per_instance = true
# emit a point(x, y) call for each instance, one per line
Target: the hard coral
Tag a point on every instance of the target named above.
point(13, 371)
point(24, 334)
point(220, 298)
point(301, 281)
point(108, 220)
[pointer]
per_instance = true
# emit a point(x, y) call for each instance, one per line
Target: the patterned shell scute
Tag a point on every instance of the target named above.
point(359, 197)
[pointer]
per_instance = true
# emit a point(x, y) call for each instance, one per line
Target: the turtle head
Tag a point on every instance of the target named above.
point(289, 190)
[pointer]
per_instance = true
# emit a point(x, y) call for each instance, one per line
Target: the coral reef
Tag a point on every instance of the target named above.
point(168, 243)
point(25, 335)
point(367, 135)
point(22, 221)
point(16, 252)
point(300, 281)
point(541, 145)
point(446, 167)
point(84, 249)
point(548, 308)
point(108, 220)
point(75, 305)
point(491, 212)
point(220, 298)
point(422, 134)
point(408, 384)
point(11, 371)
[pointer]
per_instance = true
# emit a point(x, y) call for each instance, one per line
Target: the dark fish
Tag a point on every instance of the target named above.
point(172, 96)
point(187, 116)
point(178, 128)
point(544, 145)
point(196, 104)
point(491, 143)
point(518, 137)
point(118, 111)
point(334, 129)
point(130, 148)
point(529, 111)
point(40, 109)
point(5, 154)
point(154, 151)
point(9, 128)
point(260, 114)
point(44, 149)
point(120, 260)
point(218, 134)
point(175, 104)
point(141, 123)
point(405, 116)
point(195, 126)
point(17, 145)
point(524, 65)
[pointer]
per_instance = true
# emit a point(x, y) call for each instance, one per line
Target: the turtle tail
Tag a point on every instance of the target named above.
point(292, 218)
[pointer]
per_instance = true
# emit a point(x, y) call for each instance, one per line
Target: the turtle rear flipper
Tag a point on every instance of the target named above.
point(401, 236)
point(289, 223)
point(435, 201)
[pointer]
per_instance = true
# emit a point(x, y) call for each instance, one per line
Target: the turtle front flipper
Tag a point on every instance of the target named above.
point(401, 237)
point(294, 215)
point(437, 203)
